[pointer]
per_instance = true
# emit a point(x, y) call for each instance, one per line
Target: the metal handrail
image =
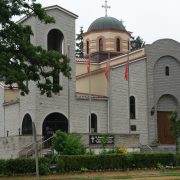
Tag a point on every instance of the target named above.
point(146, 146)
point(39, 144)
point(29, 146)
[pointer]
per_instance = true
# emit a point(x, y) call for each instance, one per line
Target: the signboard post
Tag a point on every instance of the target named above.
point(36, 150)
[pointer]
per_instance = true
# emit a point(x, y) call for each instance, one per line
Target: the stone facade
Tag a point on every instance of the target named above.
point(147, 83)
point(162, 53)
point(120, 121)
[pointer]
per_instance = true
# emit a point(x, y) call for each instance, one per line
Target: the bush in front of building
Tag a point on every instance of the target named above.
point(116, 161)
point(95, 162)
point(102, 162)
point(2, 166)
point(67, 144)
point(151, 160)
point(21, 166)
point(122, 150)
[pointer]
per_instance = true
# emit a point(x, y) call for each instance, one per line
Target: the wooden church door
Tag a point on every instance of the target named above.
point(165, 134)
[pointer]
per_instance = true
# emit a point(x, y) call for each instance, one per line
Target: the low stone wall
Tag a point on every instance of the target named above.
point(11, 146)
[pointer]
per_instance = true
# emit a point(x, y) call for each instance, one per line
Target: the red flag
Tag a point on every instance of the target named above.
point(126, 72)
point(88, 64)
point(107, 71)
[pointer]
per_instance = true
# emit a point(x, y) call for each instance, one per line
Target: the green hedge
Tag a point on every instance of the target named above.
point(88, 162)
point(115, 161)
point(95, 162)
point(151, 160)
point(23, 166)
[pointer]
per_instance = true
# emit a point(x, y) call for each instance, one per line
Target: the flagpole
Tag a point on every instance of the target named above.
point(128, 90)
point(68, 55)
point(108, 94)
point(90, 95)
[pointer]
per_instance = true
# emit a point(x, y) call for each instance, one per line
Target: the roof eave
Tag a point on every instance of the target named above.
point(46, 9)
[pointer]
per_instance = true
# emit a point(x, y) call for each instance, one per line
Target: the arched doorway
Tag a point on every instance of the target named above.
point(27, 125)
point(166, 104)
point(53, 122)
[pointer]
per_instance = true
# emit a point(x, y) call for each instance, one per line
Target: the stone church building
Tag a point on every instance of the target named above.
point(133, 111)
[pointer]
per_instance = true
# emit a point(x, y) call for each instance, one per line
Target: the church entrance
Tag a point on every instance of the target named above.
point(166, 104)
point(165, 134)
point(54, 122)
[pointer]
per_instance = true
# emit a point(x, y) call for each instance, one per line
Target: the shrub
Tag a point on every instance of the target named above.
point(122, 150)
point(60, 165)
point(145, 160)
point(2, 166)
point(23, 166)
point(44, 164)
point(67, 144)
point(88, 162)
point(116, 161)
point(159, 166)
point(52, 158)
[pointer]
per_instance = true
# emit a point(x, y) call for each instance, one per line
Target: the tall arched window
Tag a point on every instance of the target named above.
point(128, 45)
point(167, 70)
point(100, 44)
point(87, 47)
point(117, 44)
point(55, 42)
point(132, 107)
point(93, 123)
point(27, 125)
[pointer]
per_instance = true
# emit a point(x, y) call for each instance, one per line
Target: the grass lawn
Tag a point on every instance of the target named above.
point(134, 175)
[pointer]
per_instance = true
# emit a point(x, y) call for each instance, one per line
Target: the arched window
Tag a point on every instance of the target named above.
point(87, 47)
point(27, 125)
point(132, 107)
point(117, 44)
point(167, 71)
point(93, 123)
point(100, 44)
point(55, 42)
point(128, 45)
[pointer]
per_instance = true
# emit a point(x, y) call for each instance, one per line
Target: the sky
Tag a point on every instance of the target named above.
point(149, 19)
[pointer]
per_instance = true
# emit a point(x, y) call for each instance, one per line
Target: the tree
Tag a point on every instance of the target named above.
point(21, 61)
point(67, 144)
point(104, 141)
point(79, 43)
point(176, 129)
point(137, 43)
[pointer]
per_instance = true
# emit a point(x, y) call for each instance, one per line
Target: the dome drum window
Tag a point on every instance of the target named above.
point(118, 45)
point(100, 44)
point(87, 47)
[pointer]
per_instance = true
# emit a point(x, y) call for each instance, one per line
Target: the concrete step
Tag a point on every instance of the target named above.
point(45, 152)
point(159, 148)
point(165, 148)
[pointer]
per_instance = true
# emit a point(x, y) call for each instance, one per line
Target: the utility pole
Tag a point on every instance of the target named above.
point(35, 150)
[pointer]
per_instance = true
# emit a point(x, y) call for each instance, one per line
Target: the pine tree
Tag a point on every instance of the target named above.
point(137, 43)
point(21, 61)
point(79, 43)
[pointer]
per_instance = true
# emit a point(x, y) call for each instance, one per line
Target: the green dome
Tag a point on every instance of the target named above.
point(106, 23)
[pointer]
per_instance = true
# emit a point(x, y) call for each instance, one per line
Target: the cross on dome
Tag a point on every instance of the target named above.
point(106, 7)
